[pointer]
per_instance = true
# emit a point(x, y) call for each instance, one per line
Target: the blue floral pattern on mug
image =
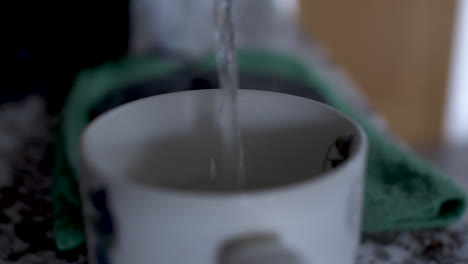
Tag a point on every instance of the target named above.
point(102, 224)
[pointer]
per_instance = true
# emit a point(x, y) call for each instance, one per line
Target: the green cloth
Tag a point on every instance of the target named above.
point(402, 192)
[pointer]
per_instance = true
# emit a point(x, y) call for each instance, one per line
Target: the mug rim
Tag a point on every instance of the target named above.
point(361, 149)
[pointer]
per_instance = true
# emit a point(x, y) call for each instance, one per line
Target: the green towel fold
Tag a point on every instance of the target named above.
point(402, 192)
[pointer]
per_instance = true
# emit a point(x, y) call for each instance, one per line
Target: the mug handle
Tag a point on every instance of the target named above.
point(258, 249)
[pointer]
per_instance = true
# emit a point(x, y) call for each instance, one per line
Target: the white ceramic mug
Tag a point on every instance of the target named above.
point(304, 164)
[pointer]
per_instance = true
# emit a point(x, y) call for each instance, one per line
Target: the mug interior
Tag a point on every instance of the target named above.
point(172, 141)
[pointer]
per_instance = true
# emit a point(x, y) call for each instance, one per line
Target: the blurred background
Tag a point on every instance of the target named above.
point(408, 58)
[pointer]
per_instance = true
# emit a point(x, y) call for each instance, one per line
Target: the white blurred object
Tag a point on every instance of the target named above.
point(187, 27)
point(288, 7)
point(156, 23)
point(456, 119)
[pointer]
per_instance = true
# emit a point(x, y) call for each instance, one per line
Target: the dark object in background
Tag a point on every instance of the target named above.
point(46, 43)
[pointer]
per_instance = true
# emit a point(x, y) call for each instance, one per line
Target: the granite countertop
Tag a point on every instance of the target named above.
point(439, 246)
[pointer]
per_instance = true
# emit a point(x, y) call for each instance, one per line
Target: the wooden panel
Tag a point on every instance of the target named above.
point(396, 50)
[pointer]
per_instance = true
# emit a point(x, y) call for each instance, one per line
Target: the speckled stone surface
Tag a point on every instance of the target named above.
point(26, 156)
point(441, 246)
